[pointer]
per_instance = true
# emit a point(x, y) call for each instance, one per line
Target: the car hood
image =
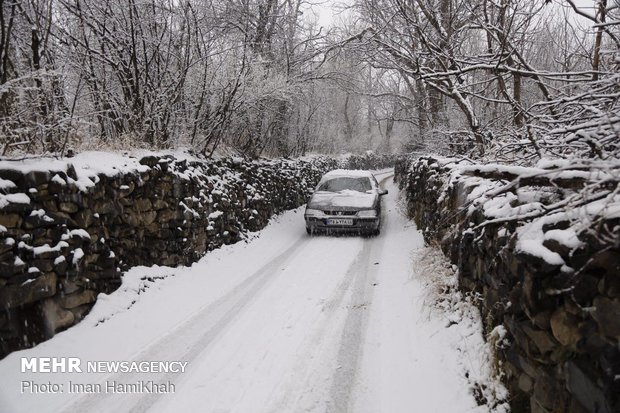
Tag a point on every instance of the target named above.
point(342, 200)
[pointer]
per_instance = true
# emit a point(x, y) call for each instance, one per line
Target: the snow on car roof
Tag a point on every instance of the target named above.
point(353, 173)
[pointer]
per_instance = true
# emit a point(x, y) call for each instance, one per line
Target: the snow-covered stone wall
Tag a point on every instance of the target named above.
point(539, 248)
point(69, 228)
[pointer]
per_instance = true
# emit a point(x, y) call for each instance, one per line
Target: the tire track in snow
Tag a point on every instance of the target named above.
point(308, 392)
point(365, 272)
point(356, 287)
point(194, 335)
point(318, 390)
point(352, 334)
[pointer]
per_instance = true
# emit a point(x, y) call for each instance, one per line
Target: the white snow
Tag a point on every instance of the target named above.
point(462, 326)
point(188, 209)
point(80, 233)
point(566, 237)
point(215, 214)
point(525, 172)
point(499, 206)
point(534, 247)
point(87, 166)
point(37, 213)
point(41, 214)
point(283, 323)
point(43, 248)
point(57, 179)
point(78, 254)
point(35, 164)
point(347, 173)
point(326, 200)
point(5, 184)
point(18, 198)
point(534, 207)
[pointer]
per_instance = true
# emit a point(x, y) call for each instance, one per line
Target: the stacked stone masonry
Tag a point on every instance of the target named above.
point(557, 328)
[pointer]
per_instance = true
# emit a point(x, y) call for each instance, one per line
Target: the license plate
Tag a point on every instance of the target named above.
point(340, 221)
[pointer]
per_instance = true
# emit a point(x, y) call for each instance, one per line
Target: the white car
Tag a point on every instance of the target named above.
point(345, 201)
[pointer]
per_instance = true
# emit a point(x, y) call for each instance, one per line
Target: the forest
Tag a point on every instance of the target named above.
point(502, 80)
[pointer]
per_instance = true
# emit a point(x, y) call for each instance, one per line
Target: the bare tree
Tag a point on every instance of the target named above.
point(481, 58)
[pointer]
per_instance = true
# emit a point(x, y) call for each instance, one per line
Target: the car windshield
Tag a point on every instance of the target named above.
point(360, 184)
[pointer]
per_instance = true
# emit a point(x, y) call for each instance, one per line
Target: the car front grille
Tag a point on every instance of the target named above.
point(340, 213)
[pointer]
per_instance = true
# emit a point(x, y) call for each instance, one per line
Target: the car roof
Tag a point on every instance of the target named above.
point(349, 173)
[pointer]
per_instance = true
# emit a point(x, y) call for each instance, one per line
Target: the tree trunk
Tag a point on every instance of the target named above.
point(596, 59)
point(348, 128)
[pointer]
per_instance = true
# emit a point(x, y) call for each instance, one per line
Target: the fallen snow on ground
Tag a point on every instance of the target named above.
point(281, 323)
point(463, 328)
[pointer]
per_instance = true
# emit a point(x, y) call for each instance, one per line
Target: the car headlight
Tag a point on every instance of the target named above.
point(367, 213)
point(314, 212)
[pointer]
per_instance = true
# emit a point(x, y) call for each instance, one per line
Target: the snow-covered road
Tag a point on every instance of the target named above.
point(283, 323)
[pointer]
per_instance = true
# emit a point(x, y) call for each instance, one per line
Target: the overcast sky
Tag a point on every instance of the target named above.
point(327, 11)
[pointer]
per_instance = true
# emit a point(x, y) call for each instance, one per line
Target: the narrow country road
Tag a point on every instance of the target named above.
point(284, 323)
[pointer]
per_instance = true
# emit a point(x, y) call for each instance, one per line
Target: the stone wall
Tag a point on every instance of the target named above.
point(553, 310)
point(67, 232)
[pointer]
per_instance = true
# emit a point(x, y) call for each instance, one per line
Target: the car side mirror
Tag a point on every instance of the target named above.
point(383, 192)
